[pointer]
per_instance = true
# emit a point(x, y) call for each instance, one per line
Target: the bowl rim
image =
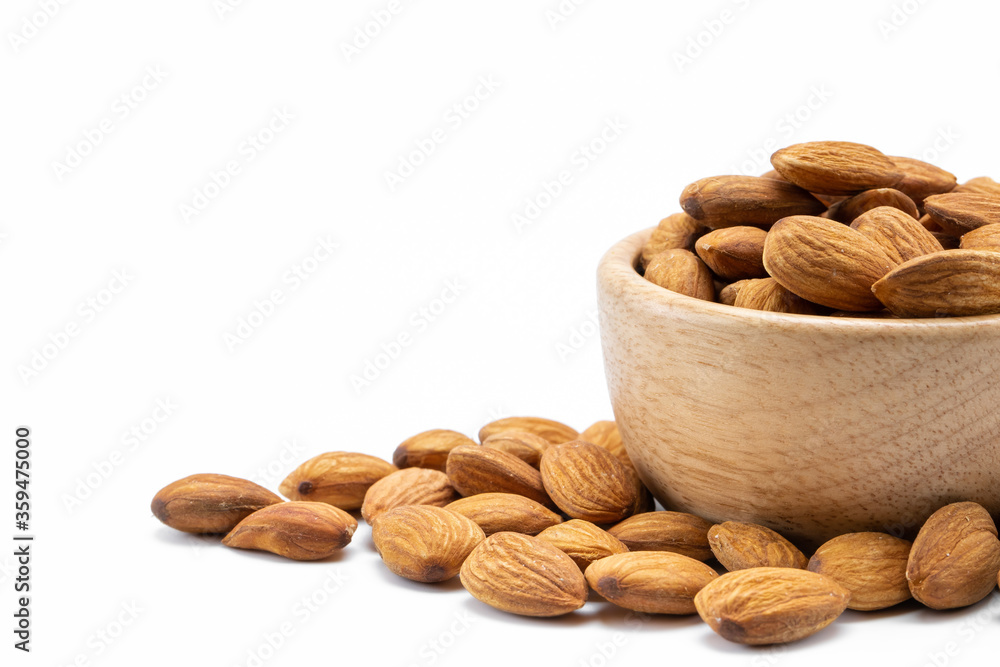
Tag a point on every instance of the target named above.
point(618, 265)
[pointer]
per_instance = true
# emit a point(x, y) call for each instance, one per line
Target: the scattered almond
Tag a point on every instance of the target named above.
point(582, 541)
point(553, 431)
point(870, 565)
point(477, 469)
point(740, 546)
point(524, 575)
point(412, 486)
point(340, 479)
point(770, 605)
point(898, 234)
point(955, 558)
point(296, 530)
point(209, 503)
point(588, 482)
point(425, 543)
point(526, 446)
point(677, 532)
point(677, 231)
point(500, 512)
point(654, 582)
point(849, 209)
point(768, 294)
point(986, 237)
point(429, 449)
point(921, 180)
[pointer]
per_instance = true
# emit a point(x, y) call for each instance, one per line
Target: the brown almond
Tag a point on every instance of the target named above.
point(506, 512)
point(770, 605)
point(740, 546)
point(653, 582)
point(734, 253)
point(526, 446)
point(477, 469)
point(836, 167)
point(958, 213)
point(524, 575)
point(429, 449)
point(898, 234)
point(768, 294)
point(825, 262)
point(553, 431)
point(947, 283)
point(425, 543)
point(849, 209)
point(982, 185)
point(677, 532)
point(727, 201)
point(296, 530)
point(677, 231)
point(412, 486)
point(588, 482)
point(605, 434)
point(683, 272)
point(920, 180)
point(870, 565)
point(728, 293)
point(209, 503)
point(986, 237)
point(583, 541)
point(955, 558)
point(340, 479)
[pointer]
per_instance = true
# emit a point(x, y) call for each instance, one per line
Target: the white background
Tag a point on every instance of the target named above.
point(517, 339)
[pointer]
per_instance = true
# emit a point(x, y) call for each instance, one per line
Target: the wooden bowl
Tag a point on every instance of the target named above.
point(813, 426)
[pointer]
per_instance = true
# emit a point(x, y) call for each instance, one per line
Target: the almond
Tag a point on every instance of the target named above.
point(526, 446)
point(836, 167)
point(553, 431)
point(429, 449)
point(870, 565)
point(209, 503)
point(677, 532)
point(423, 542)
point(340, 479)
point(825, 262)
point(950, 282)
point(476, 469)
point(740, 546)
point(768, 294)
point(683, 272)
point(986, 237)
point(849, 209)
point(727, 201)
point(524, 575)
point(296, 530)
point(898, 234)
point(606, 434)
point(955, 558)
point(588, 482)
point(734, 253)
point(728, 294)
point(958, 213)
point(505, 512)
point(413, 486)
point(677, 231)
point(654, 582)
point(583, 541)
point(983, 185)
point(770, 605)
point(920, 180)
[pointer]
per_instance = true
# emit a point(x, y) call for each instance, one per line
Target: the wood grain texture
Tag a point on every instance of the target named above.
point(812, 426)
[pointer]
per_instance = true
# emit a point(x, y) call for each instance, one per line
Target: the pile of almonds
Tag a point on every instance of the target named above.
point(837, 228)
point(535, 515)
